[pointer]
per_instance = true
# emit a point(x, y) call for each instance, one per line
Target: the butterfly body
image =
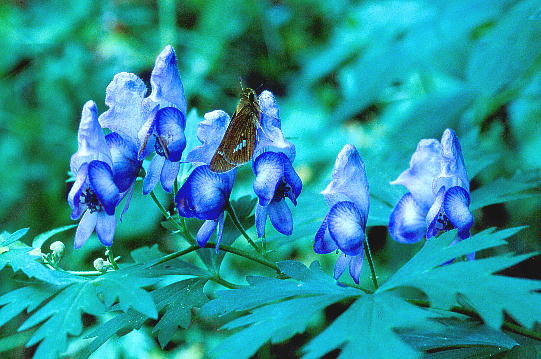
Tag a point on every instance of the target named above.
point(238, 144)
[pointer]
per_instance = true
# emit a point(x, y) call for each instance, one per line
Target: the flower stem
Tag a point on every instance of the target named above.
point(111, 257)
point(370, 262)
point(164, 211)
point(236, 222)
point(223, 282)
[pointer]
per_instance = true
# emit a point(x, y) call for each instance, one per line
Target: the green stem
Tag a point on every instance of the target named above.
point(111, 257)
point(164, 211)
point(370, 262)
point(236, 222)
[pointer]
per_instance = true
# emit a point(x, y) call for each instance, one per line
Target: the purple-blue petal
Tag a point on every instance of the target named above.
point(85, 228)
point(349, 180)
point(105, 228)
point(341, 264)
point(456, 206)
point(146, 141)
point(280, 217)
point(270, 134)
point(210, 132)
point(204, 194)
point(293, 180)
point(452, 160)
point(170, 124)
point(125, 164)
point(424, 167)
point(346, 226)
point(74, 196)
point(260, 219)
point(101, 180)
point(90, 139)
point(206, 230)
point(407, 223)
point(219, 231)
point(153, 174)
point(127, 108)
point(169, 174)
point(434, 216)
point(268, 169)
point(323, 242)
point(355, 266)
point(165, 80)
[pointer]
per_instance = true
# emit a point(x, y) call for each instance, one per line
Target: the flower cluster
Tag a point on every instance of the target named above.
point(205, 194)
point(439, 193)
point(106, 167)
point(438, 200)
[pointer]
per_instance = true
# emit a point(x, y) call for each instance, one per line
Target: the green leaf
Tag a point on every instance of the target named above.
point(275, 322)
point(457, 333)
point(504, 190)
point(40, 239)
point(7, 238)
point(488, 294)
point(280, 308)
point(19, 258)
point(26, 298)
point(499, 57)
point(367, 329)
point(178, 299)
point(263, 290)
point(63, 317)
point(126, 285)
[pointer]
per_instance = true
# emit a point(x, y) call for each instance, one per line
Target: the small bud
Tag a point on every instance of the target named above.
point(99, 264)
point(57, 248)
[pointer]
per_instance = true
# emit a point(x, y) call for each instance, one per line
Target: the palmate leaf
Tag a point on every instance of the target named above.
point(62, 315)
point(177, 301)
point(280, 308)
point(473, 281)
point(26, 298)
point(366, 329)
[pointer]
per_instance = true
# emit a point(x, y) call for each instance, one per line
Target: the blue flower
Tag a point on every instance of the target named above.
point(94, 195)
point(141, 120)
point(170, 142)
point(344, 225)
point(205, 194)
point(275, 177)
point(439, 193)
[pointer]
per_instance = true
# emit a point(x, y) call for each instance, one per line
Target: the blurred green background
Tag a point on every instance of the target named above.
point(378, 74)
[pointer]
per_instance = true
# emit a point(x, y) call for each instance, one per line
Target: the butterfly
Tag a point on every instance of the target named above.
point(238, 144)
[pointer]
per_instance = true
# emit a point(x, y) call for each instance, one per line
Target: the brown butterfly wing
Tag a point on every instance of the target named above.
point(238, 143)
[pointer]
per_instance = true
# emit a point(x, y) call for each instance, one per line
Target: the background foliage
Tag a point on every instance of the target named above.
point(378, 74)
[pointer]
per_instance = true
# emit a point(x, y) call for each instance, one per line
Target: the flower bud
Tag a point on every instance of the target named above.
point(99, 264)
point(57, 248)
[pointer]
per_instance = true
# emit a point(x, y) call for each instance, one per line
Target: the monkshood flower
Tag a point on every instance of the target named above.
point(344, 225)
point(94, 195)
point(205, 194)
point(439, 193)
point(275, 177)
point(150, 123)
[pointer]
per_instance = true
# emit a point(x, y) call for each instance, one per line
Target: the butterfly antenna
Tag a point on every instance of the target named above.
point(241, 86)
